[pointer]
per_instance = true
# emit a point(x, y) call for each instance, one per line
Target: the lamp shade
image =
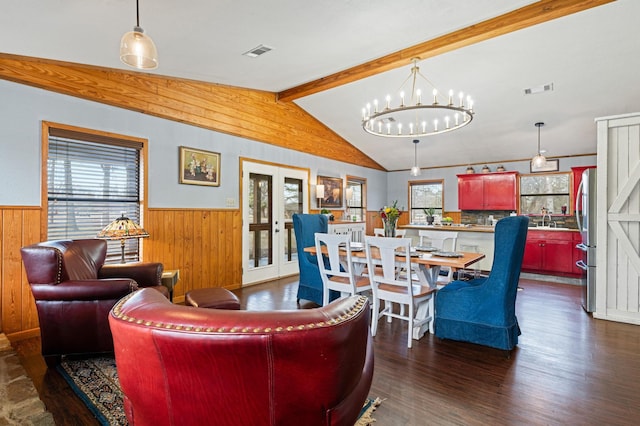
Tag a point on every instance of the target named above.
point(319, 191)
point(138, 50)
point(121, 229)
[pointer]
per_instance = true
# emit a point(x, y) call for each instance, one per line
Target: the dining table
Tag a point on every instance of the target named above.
point(425, 265)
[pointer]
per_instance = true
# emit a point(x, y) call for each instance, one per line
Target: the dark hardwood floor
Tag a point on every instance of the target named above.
point(568, 368)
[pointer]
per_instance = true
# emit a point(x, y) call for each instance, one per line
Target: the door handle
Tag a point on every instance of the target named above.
point(582, 247)
point(580, 264)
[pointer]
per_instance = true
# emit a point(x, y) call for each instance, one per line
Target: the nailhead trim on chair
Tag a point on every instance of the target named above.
point(117, 310)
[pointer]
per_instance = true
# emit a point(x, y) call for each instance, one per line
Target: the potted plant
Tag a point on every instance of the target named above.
point(429, 212)
point(327, 213)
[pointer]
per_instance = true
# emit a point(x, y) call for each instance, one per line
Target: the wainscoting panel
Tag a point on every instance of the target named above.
point(205, 245)
point(19, 226)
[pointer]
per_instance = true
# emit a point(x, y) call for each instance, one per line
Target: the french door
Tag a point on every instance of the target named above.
point(270, 196)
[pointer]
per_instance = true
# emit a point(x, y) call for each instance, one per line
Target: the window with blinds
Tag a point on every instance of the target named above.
point(91, 182)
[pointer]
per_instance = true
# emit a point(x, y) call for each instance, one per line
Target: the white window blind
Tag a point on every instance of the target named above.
point(90, 184)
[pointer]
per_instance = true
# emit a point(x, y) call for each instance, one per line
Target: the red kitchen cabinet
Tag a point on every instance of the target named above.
point(551, 252)
point(494, 191)
point(470, 192)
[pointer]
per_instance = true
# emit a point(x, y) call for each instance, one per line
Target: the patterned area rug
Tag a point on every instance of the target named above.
point(95, 381)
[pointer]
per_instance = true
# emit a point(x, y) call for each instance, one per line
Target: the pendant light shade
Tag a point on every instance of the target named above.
point(137, 49)
point(415, 170)
point(539, 160)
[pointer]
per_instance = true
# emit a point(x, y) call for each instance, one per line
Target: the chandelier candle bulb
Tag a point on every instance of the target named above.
point(388, 102)
point(435, 124)
point(375, 106)
point(461, 96)
point(446, 121)
point(451, 97)
point(401, 99)
point(419, 97)
point(435, 96)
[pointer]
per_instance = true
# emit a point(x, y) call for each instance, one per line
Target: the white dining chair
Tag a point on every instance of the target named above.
point(443, 241)
point(337, 272)
point(386, 286)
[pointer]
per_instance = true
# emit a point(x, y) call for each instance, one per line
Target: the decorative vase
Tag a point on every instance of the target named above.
point(429, 220)
point(389, 227)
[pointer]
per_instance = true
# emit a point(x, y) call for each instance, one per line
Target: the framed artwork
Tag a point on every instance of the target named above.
point(332, 192)
point(550, 166)
point(198, 167)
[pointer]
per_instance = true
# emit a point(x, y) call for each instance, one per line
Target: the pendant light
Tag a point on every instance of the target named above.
point(539, 160)
point(137, 49)
point(415, 170)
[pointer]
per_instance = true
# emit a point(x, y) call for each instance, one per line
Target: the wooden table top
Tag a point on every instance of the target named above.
point(426, 259)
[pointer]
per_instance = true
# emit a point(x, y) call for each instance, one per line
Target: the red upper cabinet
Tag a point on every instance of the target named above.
point(494, 191)
point(470, 192)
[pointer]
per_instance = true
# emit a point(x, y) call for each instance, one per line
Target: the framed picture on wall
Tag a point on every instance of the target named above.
point(198, 167)
point(332, 192)
point(549, 166)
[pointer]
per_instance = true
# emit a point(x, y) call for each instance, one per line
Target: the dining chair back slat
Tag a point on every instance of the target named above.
point(390, 287)
point(336, 266)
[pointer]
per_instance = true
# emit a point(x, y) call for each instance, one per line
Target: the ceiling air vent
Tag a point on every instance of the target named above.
point(539, 89)
point(257, 51)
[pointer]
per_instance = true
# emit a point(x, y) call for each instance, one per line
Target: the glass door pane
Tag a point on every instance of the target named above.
point(260, 223)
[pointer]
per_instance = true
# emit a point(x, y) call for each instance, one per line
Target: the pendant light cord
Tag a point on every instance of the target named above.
point(137, 14)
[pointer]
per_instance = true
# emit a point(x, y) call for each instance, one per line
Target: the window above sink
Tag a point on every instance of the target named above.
point(550, 191)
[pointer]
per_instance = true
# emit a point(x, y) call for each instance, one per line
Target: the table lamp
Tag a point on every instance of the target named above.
point(320, 194)
point(122, 229)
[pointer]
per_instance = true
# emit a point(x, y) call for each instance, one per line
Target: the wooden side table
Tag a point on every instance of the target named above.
point(169, 279)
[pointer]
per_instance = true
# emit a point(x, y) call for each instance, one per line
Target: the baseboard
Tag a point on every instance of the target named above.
point(551, 278)
point(24, 334)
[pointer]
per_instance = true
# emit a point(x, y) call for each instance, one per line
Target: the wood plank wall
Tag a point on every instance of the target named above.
point(205, 245)
point(19, 226)
point(251, 114)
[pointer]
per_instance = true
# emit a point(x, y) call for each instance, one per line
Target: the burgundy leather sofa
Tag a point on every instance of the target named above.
point(74, 292)
point(193, 366)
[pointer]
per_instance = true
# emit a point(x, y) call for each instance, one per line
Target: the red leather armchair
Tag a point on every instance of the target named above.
point(194, 366)
point(74, 292)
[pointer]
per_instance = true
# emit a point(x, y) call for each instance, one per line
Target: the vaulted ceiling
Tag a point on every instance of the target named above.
point(332, 57)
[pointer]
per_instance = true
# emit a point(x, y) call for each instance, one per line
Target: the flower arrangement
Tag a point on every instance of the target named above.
point(390, 213)
point(389, 217)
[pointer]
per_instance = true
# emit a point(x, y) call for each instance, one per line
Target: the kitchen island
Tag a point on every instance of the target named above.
point(471, 238)
point(549, 250)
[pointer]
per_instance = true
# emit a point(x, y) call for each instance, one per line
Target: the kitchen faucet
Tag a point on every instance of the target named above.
point(545, 213)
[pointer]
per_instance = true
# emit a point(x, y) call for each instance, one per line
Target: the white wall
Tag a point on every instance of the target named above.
point(23, 108)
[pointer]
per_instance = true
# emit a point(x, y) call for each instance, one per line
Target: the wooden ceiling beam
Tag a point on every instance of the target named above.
point(533, 14)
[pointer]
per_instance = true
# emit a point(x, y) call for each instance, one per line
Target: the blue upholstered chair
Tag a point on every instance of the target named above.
point(482, 310)
point(305, 227)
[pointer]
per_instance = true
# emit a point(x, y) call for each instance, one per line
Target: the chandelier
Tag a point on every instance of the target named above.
point(415, 118)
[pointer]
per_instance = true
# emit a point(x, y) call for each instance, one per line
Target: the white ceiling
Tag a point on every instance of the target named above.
point(592, 58)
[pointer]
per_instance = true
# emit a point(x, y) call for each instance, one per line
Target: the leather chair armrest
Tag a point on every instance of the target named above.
point(84, 290)
point(146, 274)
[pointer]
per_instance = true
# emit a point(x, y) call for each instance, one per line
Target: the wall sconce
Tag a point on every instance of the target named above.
point(319, 194)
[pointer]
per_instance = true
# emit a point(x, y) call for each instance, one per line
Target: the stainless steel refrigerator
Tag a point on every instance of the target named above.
point(586, 218)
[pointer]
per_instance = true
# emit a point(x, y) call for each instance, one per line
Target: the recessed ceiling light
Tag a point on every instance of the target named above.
point(257, 51)
point(539, 89)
